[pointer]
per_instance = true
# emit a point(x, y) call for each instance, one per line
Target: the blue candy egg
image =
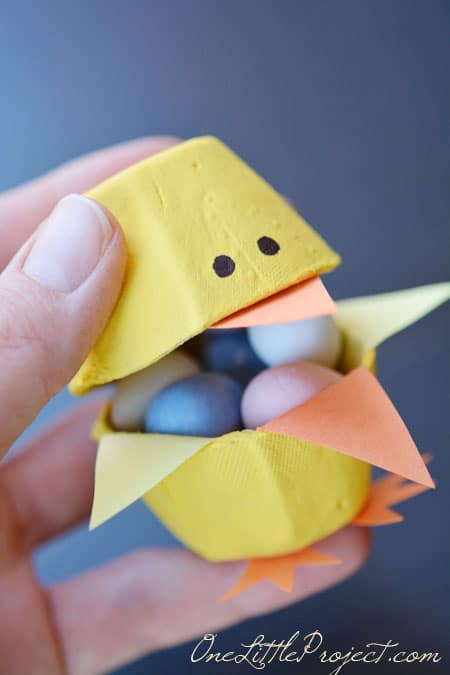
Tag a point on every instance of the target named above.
point(230, 352)
point(207, 404)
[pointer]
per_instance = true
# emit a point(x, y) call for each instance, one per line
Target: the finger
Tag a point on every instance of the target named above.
point(55, 298)
point(50, 482)
point(152, 599)
point(21, 209)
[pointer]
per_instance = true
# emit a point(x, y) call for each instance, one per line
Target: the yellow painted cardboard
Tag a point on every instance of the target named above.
point(255, 494)
point(180, 210)
point(245, 494)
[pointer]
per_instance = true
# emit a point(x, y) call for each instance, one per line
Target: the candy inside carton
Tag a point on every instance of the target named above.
point(309, 355)
point(217, 257)
point(218, 383)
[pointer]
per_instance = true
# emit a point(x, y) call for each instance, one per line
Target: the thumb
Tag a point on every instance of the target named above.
point(55, 298)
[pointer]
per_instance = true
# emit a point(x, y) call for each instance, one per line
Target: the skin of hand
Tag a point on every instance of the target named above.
point(59, 283)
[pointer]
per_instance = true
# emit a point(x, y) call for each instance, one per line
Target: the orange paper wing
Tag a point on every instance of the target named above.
point(356, 417)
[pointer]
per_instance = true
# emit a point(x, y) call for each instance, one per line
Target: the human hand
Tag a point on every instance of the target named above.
point(57, 290)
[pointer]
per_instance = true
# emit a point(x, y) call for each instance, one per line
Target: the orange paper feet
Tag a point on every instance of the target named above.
point(385, 492)
point(279, 570)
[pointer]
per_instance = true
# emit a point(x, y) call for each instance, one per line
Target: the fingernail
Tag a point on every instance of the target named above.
point(69, 244)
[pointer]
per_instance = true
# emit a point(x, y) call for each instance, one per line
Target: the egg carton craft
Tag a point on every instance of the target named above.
point(212, 246)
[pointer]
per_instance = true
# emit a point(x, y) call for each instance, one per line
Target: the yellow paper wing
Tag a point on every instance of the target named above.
point(130, 464)
point(180, 210)
point(369, 320)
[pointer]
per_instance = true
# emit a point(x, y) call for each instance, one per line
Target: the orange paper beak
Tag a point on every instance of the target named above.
point(302, 301)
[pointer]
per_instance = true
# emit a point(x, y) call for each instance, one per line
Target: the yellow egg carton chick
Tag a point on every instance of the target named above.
point(211, 244)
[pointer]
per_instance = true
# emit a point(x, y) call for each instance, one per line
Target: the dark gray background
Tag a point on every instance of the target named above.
point(344, 106)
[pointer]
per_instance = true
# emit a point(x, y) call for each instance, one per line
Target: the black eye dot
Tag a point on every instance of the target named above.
point(268, 246)
point(223, 265)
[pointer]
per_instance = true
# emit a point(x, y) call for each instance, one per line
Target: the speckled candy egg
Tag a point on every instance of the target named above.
point(230, 352)
point(208, 404)
point(276, 390)
point(316, 339)
point(135, 392)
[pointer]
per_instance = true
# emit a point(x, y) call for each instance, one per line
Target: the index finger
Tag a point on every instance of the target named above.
point(23, 208)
